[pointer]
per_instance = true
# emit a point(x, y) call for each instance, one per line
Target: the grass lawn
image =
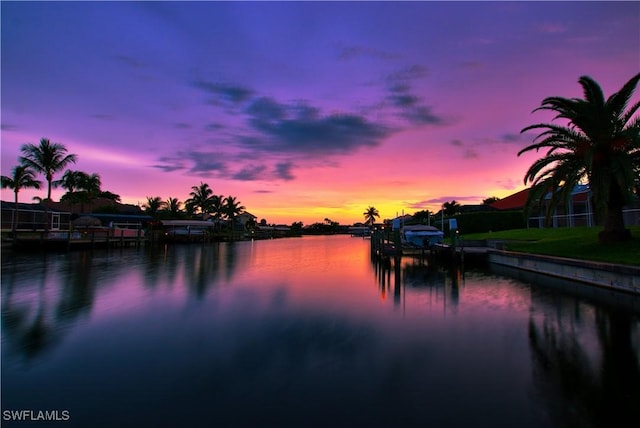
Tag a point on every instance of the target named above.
point(576, 242)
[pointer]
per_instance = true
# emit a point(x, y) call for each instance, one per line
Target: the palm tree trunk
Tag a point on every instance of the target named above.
point(46, 204)
point(14, 221)
point(614, 230)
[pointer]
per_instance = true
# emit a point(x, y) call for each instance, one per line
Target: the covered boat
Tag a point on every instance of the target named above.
point(421, 236)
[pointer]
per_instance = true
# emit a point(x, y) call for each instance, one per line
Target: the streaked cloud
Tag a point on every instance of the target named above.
point(303, 129)
point(249, 173)
point(225, 91)
point(283, 171)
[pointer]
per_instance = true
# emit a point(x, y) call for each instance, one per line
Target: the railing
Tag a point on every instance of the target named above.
point(630, 216)
point(30, 220)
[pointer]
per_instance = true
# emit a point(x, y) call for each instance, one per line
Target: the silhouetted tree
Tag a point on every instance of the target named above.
point(600, 143)
point(22, 177)
point(46, 158)
point(172, 206)
point(490, 200)
point(370, 215)
point(153, 205)
point(200, 198)
point(232, 208)
point(422, 216)
point(451, 208)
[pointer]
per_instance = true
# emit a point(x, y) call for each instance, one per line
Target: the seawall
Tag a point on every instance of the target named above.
point(606, 275)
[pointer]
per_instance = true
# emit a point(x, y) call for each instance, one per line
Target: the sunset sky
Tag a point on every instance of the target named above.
point(302, 110)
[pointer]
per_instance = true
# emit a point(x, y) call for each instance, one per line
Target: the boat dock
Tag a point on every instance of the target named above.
point(78, 239)
point(388, 245)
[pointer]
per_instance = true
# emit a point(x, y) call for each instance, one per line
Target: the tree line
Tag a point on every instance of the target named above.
point(49, 158)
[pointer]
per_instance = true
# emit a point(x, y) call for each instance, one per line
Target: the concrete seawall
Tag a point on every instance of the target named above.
point(606, 275)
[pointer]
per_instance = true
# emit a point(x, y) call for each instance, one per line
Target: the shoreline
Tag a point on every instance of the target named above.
point(611, 276)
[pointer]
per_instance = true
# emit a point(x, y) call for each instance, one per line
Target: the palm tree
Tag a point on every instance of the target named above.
point(22, 177)
point(153, 205)
point(601, 143)
point(82, 187)
point(216, 206)
point(200, 197)
point(90, 185)
point(70, 180)
point(46, 158)
point(172, 205)
point(370, 215)
point(231, 208)
point(451, 208)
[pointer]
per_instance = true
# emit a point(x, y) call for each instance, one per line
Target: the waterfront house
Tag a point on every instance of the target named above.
point(578, 212)
point(33, 217)
point(244, 218)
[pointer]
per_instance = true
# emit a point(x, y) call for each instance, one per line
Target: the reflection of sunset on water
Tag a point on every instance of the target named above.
point(305, 329)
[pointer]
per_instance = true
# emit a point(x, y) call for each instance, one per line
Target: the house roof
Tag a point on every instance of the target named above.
point(512, 202)
point(30, 207)
point(518, 200)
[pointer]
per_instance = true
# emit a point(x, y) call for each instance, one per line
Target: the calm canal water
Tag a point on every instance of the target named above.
point(307, 332)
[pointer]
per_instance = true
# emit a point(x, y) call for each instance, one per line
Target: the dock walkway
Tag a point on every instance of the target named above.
point(66, 240)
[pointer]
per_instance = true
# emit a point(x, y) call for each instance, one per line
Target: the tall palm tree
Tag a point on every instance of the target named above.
point(370, 215)
point(601, 142)
point(22, 177)
point(46, 158)
point(200, 197)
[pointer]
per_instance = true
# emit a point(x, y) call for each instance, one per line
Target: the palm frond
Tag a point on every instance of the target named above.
point(629, 115)
point(618, 101)
point(592, 90)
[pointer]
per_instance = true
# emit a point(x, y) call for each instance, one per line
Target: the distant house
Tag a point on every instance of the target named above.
point(277, 231)
point(33, 217)
point(245, 218)
point(127, 221)
point(103, 205)
point(464, 209)
point(579, 211)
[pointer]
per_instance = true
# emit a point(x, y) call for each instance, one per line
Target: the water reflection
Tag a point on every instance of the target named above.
point(418, 275)
point(36, 313)
point(310, 331)
point(586, 361)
